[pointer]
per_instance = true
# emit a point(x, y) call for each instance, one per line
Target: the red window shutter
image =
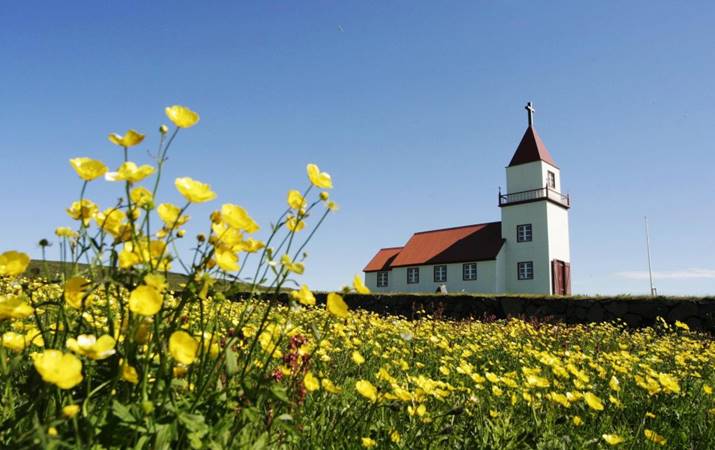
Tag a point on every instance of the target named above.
point(556, 279)
point(567, 278)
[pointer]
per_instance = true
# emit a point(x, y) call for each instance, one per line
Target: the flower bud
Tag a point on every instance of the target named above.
point(216, 217)
point(201, 237)
point(163, 129)
point(324, 196)
point(180, 233)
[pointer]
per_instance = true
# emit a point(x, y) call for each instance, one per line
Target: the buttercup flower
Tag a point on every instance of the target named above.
point(292, 266)
point(87, 168)
point(130, 172)
point(237, 217)
point(310, 382)
point(66, 232)
point(14, 307)
point(145, 300)
point(91, 347)
point(83, 211)
point(593, 401)
point(13, 341)
point(654, 437)
point(141, 196)
point(13, 263)
point(612, 439)
point(368, 442)
point(61, 369)
point(227, 260)
point(319, 179)
point(194, 191)
point(182, 116)
point(75, 289)
point(367, 390)
point(303, 295)
point(169, 214)
point(336, 305)
point(129, 373)
point(296, 200)
point(70, 411)
point(183, 347)
point(294, 225)
point(359, 286)
point(130, 138)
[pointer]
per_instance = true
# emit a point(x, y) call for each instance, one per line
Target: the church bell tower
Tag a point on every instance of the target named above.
point(535, 222)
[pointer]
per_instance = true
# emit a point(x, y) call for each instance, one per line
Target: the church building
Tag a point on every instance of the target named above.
point(527, 252)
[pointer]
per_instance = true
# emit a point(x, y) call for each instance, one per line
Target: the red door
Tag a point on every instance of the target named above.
point(560, 277)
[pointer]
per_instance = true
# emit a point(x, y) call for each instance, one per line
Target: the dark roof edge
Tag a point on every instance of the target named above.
point(455, 228)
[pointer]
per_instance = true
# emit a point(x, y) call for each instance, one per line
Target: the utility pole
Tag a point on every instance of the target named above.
point(653, 291)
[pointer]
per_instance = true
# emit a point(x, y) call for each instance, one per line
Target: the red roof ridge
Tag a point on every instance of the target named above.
point(391, 248)
point(531, 148)
point(454, 228)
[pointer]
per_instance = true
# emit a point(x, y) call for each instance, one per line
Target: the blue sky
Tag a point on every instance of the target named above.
point(413, 107)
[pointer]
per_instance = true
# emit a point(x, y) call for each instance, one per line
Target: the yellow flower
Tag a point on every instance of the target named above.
point(654, 437)
point(292, 266)
point(13, 341)
point(612, 439)
point(577, 421)
point(91, 347)
point(145, 300)
point(319, 179)
point(669, 383)
point(294, 225)
point(13, 263)
point(14, 307)
point(194, 191)
point(227, 260)
point(311, 383)
point(593, 401)
point(183, 347)
point(303, 295)
point(296, 200)
point(614, 384)
point(336, 305)
point(359, 286)
point(357, 358)
point(111, 220)
point(75, 289)
point(707, 389)
point(66, 232)
point(130, 139)
point(182, 116)
point(61, 369)
point(681, 325)
point(129, 374)
point(87, 168)
point(52, 432)
point(650, 415)
point(70, 411)
point(330, 387)
point(169, 214)
point(157, 281)
point(141, 196)
point(237, 217)
point(368, 442)
point(395, 437)
point(83, 211)
point(367, 390)
point(537, 381)
point(130, 172)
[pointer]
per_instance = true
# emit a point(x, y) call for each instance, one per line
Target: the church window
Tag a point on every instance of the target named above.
point(551, 180)
point(525, 270)
point(440, 273)
point(382, 279)
point(523, 233)
point(413, 275)
point(469, 271)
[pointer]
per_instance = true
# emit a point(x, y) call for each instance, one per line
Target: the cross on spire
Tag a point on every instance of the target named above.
point(530, 109)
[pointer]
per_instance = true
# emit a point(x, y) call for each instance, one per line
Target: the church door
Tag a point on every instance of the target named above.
point(561, 277)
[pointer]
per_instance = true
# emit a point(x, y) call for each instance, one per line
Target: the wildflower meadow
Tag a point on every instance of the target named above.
point(110, 355)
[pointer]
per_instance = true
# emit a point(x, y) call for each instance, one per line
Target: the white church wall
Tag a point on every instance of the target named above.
point(533, 175)
point(500, 268)
point(558, 220)
point(536, 250)
point(397, 279)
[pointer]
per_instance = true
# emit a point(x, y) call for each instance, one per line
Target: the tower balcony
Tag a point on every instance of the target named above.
point(534, 195)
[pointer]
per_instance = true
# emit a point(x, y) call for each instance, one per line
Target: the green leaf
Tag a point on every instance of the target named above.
point(122, 412)
point(261, 442)
point(231, 362)
point(164, 436)
point(280, 393)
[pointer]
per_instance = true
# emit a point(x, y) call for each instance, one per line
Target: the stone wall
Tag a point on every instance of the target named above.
point(698, 313)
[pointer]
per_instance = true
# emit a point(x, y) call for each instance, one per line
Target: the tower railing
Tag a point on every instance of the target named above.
point(533, 195)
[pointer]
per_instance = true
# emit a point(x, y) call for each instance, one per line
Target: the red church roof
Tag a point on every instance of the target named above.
point(530, 149)
point(478, 242)
point(382, 260)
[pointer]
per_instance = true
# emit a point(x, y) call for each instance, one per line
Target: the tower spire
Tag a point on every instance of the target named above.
point(530, 109)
